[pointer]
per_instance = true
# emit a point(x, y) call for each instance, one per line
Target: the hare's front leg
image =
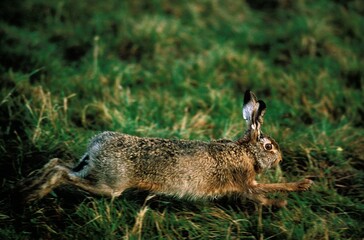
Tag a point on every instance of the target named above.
point(265, 201)
point(281, 187)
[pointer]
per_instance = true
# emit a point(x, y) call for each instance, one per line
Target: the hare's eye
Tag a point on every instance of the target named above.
point(268, 146)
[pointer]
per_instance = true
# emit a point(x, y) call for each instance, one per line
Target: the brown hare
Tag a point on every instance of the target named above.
point(115, 162)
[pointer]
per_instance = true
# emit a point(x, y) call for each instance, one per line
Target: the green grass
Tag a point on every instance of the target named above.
point(70, 69)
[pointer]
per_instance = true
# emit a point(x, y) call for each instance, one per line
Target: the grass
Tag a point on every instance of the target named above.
point(178, 70)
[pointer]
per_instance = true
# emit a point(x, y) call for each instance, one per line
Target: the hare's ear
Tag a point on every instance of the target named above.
point(250, 103)
point(253, 112)
point(258, 118)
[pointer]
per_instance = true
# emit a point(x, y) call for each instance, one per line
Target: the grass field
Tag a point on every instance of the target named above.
point(178, 69)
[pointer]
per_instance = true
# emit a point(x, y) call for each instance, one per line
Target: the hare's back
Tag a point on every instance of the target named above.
point(112, 147)
point(113, 155)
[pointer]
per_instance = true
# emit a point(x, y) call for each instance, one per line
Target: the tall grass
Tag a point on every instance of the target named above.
point(178, 70)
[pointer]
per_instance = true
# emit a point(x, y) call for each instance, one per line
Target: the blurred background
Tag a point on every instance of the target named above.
point(178, 69)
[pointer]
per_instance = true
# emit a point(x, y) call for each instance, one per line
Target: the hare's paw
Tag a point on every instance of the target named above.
point(52, 163)
point(280, 203)
point(304, 184)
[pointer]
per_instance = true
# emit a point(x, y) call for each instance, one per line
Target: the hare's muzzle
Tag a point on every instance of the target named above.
point(278, 160)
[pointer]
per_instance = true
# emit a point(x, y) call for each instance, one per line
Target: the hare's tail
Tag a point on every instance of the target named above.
point(83, 166)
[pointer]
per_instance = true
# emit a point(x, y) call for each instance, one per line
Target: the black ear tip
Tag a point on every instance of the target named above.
point(247, 96)
point(262, 105)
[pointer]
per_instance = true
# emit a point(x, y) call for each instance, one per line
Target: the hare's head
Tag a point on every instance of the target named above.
point(263, 148)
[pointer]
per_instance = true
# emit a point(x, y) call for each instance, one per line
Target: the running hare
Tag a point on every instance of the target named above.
point(115, 162)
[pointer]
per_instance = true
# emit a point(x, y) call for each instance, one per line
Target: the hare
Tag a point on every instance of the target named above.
point(115, 162)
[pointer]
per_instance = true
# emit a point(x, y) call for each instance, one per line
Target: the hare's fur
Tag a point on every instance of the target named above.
point(115, 162)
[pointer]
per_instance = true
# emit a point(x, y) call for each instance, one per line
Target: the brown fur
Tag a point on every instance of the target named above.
point(114, 162)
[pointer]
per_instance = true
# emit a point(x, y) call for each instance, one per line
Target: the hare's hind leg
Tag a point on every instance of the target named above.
point(53, 175)
point(31, 188)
